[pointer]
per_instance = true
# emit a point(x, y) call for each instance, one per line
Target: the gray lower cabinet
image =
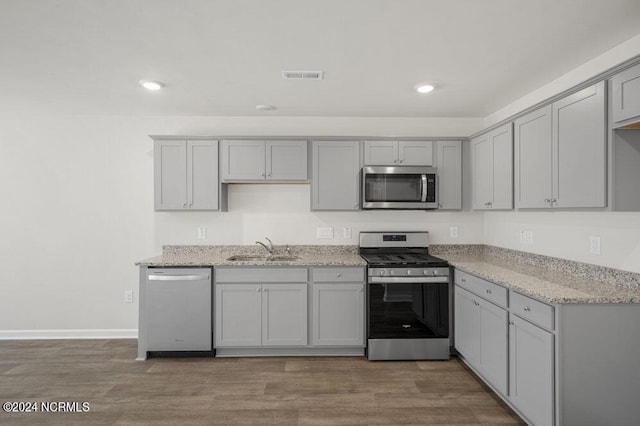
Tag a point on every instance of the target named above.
point(449, 164)
point(335, 181)
point(258, 307)
point(260, 161)
point(560, 364)
point(492, 169)
point(531, 372)
point(178, 309)
point(398, 153)
point(186, 174)
point(481, 336)
point(338, 306)
point(625, 99)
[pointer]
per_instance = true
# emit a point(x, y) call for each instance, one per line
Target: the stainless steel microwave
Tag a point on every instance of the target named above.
point(404, 187)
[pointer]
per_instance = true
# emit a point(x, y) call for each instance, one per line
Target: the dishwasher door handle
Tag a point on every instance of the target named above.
point(178, 277)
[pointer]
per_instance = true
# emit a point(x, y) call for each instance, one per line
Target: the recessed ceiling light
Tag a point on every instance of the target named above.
point(425, 87)
point(151, 84)
point(265, 107)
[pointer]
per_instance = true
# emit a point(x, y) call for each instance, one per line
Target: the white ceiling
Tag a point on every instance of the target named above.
point(223, 57)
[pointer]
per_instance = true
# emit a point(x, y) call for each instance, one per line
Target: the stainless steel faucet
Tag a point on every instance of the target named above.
point(268, 248)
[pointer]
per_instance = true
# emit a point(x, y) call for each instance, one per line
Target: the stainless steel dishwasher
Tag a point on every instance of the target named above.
point(178, 310)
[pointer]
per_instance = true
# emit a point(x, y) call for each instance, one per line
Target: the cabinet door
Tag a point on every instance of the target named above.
point(243, 160)
point(625, 98)
point(179, 311)
point(238, 315)
point(415, 153)
point(170, 174)
point(467, 326)
point(493, 344)
point(284, 314)
point(380, 153)
point(502, 145)
point(531, 386)
point(335, 181)
point(449, 165)
point(533, 159)
point(579, 138)
point(481, 172)
point(202, 173)
point(338, 313)
point(287, 160)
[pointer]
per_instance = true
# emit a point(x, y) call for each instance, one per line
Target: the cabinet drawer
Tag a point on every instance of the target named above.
point(338, 274)
point(532, 310)
point(261, 275)
point(492, 292)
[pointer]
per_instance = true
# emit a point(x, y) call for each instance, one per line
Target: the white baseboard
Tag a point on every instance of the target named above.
point(68, 334)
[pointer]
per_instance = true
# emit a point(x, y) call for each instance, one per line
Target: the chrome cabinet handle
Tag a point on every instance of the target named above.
point(463, 280)
point(338, 275)
point(401, 161)
point(184, 206)
point(488, 291)
point(512, 323)
point(268, 174)
point(527, 309)
point(258, 289)
point(263, 174)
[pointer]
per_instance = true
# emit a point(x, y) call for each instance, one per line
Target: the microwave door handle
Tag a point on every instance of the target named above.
point(424, 189)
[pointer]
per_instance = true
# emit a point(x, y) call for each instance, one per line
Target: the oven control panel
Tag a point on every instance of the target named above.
point(408, 272)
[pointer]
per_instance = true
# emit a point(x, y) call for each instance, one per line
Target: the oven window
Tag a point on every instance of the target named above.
point(408, 311)
point(393, 187)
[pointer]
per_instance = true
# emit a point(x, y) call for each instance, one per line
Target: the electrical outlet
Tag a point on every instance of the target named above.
point(523, 237)
point(453, 232)
point(128, 296)
point(346, 232)
point(529, 238)
point(325, 233)
point(594, 245)
point(202, 233)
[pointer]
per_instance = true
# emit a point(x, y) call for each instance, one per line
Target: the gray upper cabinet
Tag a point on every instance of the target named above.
point(335, 175)
point(398, 153)
point(492, 169)
point(449, 165)
point(579, 142)
point(259, 161)
point(186, 175)
point(533, 159)
point(560, 153)
point(626, 95)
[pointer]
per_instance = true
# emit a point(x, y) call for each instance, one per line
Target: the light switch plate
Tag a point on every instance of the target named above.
point(523, 237)
point(325, 233)
point(128, 296)
point(594, 245)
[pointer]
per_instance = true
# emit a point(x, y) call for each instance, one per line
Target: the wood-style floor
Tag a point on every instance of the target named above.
point(238, 391)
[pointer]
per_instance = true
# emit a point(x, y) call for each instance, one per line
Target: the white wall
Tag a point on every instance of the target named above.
point(77, 211)
point(567, 235)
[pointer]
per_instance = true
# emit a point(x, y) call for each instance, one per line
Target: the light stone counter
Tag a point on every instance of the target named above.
point(549, 279)
point(310, 255)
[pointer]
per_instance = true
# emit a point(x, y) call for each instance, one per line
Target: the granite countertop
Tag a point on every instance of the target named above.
point(545, 283)
point(309, 255)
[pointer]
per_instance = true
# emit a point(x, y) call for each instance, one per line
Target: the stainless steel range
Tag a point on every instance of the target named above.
point(407, 297)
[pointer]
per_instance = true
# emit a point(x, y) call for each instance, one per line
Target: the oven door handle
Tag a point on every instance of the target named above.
point(424, 189)
point(408, 280)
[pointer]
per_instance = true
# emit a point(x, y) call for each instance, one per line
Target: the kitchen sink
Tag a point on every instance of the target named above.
point(250, 258)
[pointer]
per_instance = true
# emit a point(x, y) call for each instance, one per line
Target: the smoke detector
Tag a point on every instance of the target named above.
point(303, 75)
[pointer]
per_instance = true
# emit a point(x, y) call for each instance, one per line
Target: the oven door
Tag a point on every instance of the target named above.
point(415, 310)
point(399, 188)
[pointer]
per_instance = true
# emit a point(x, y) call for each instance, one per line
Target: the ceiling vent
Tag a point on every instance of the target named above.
point(302, 75)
